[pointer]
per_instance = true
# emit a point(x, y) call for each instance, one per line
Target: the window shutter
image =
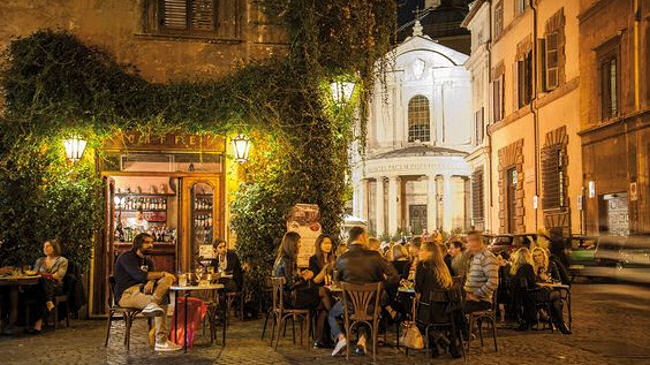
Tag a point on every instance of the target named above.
point(552, 59)
point(541, 65)
point(228, 19)
point(202, 15)
point(552, 178)
point(477, 196)
point(174, 14)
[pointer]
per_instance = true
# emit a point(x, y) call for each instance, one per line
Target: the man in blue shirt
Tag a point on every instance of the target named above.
point(138, 286)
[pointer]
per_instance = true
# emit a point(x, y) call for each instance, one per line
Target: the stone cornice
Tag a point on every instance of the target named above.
point(425, 165)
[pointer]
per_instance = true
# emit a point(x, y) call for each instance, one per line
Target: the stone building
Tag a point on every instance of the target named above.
point(414, 175)
point(532, 121)
point(614, 39)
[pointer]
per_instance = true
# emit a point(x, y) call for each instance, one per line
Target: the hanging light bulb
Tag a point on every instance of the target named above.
point(241, 144)
point(74, 148)
point(342, 91)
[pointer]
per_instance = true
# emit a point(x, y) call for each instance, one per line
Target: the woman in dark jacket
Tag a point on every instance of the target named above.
point(321, 265)
point(298, 293)
point(431, 277)
point(522, 280)
point(548, 271)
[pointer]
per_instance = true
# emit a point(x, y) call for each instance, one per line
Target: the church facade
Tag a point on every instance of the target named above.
point(414, 175)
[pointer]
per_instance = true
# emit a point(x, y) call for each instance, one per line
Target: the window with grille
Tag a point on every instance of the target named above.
point(553, 176)
point(418, 119)
point(497, 99)
point(498, 19)
point(609, 87)
point(525, 79)
point(477, 196)
point(220, 18)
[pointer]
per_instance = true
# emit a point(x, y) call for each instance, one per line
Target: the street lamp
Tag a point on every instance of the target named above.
point(241, 144)
point(342, 91)
point(74, 148)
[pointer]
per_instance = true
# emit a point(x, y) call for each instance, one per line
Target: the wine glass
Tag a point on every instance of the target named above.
point(199, 272)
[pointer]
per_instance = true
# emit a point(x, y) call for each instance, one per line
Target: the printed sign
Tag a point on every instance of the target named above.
point(136, 141)
point(304, 219)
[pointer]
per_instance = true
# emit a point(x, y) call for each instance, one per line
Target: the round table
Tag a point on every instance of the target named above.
point(14, 282)
point(186, 293)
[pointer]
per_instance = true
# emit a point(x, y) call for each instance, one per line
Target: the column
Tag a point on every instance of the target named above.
point(432, 203)
point(363, 199)
point(379, 206)
point(447, 203)
point(393, 218)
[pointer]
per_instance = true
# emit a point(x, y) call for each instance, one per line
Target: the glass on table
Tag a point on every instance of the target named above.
point(182, 279)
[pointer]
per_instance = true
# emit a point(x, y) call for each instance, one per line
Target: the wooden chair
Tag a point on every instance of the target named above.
point(61, 303)
point(478, 317)
point(128, 314)
point(230, 300)
point(441, 299)
point(280, 314)
point(358, 300)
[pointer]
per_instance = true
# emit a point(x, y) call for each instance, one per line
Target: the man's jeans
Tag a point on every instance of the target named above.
point(134, 298)
point(335, 312)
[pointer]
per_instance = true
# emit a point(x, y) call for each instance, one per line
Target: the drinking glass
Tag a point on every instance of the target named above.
point(182, 280)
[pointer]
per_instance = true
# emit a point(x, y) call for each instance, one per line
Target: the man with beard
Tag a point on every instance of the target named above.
point(137, 285)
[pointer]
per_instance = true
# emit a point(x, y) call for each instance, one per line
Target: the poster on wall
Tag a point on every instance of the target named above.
point(304, 219)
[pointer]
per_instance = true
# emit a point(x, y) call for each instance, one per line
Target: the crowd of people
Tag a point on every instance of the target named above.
point(427, 264)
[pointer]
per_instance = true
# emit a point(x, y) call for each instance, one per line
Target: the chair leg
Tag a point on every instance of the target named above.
point(494, 334)
point(277, 340)
point(109, 321)
point(266, 319)
point(56, 315)
point(469, 334)
point(273, 325)
point(301, 331)
point(374, 331)
point(67, 315)
point(127, 332)
point(479, 324)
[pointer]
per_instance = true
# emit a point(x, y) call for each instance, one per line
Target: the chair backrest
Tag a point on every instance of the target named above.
point(357, 299)
point(277, 284)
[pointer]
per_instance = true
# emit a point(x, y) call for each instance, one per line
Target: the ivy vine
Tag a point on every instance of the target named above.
point(55, 85)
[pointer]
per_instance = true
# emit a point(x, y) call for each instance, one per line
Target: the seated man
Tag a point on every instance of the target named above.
point(482, 276)
point(138, 286)
point(358, 265)
point(227, 262)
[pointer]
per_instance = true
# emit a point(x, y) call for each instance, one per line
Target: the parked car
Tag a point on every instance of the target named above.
point(634, 259)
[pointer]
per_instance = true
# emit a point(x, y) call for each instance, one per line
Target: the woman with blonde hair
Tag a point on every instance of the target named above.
point(399, 256)
point(544, 269)
point(523, 279)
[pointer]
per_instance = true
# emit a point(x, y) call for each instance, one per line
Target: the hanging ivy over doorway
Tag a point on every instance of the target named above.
point(55, 86)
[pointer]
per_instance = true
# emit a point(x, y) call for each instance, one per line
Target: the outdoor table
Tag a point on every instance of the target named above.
point(15, 282)
point(186, 293)
point(563, 288)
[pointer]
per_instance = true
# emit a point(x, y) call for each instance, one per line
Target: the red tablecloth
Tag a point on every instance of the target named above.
point(195, 314)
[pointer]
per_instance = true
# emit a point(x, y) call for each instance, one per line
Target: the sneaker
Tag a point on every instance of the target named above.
point(167, 346)
point(153, 310)
point(361, 346)
point(340, 345)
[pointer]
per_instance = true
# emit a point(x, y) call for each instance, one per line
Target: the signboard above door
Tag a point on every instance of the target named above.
point(170, 142)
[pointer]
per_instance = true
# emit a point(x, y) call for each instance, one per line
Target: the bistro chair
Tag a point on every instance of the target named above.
point(443, 299)
point(281, 314)
point(128, 314)
point(488, 315)
point(358, 301)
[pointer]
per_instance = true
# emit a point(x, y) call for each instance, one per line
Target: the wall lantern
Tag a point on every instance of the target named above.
point(74, 148)
point(342, 91)
point(241, 144)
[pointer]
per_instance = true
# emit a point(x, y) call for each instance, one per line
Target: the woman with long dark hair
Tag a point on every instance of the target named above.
point(298, 293)
point(321, 265)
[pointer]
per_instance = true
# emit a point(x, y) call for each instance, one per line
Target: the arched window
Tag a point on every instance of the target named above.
point(419, 127)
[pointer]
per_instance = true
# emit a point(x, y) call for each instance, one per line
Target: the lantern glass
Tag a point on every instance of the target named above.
point(74, 148)
point(342, 91)
point(241, 145)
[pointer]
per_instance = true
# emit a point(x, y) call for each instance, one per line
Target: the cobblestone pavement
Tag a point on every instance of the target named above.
point(610, 325)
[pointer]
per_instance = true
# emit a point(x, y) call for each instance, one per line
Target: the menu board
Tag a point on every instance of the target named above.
point(305, 220)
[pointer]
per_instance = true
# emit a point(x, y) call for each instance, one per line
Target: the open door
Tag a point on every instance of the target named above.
point(202, 219)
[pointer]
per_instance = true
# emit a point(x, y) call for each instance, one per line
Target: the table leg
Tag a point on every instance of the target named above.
point(187, 294)
point(175, 316)
point(13, 311)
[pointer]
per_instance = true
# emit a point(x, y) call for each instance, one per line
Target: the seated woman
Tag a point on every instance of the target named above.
point(548, 271)
point(227, 262)
point(321, 265)
point(399, 257)
point(298, 293)
point(522, 279)
point(432, 274)
point(52, 268)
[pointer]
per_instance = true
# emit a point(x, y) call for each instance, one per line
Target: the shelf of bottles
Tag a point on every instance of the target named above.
point(143, 202)
point(202, 218)
point(154, 212)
